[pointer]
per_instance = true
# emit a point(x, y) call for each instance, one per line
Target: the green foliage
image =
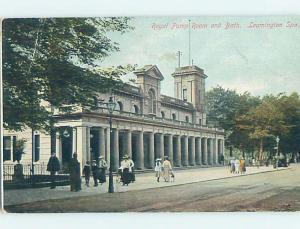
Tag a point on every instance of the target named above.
point(50, 64)
point(253, 123)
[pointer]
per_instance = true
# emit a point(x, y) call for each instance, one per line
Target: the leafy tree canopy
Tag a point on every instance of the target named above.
point(51, 63)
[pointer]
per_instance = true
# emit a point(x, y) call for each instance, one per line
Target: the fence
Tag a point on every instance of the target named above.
point(20, 176)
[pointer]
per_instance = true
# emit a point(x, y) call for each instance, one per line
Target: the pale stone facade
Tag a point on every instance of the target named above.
point(146, 125)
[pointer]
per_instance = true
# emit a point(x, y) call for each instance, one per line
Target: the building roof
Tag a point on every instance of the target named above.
point(146, 70)
point(176, 102)
point(188, 70)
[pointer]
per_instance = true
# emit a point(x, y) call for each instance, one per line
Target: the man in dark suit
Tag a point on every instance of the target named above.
point(53, 166)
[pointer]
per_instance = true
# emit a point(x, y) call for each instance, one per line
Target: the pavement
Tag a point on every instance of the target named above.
point(143, 182)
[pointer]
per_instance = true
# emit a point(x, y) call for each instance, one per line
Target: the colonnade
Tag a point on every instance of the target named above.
point(144, 147)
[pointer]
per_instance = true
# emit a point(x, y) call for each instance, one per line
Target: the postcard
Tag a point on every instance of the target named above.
point(151, 114)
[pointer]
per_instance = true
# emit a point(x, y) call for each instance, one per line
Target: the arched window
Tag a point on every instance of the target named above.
point(162, 114)
point(187, 118)
point(152, 101)
point(135, 109)
point(174, 116)
point(119, 106)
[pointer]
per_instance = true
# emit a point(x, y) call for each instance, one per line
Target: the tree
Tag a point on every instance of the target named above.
point(225, 106)
point(264, 121)
point(50, 64)
point(290, 106)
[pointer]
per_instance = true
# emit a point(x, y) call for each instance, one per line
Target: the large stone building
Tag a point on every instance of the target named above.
point(146, 125)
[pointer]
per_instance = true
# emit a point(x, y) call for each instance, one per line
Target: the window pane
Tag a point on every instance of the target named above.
point(6, 148)
point(37, 147)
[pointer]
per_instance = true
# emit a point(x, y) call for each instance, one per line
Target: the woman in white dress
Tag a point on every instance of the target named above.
point(158, 168)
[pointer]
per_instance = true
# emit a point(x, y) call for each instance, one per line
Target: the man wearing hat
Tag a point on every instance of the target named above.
point(102, 170)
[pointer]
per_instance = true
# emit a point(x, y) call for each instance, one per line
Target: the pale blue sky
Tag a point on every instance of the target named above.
point(258, 60)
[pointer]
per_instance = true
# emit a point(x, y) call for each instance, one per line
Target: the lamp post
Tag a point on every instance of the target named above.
point(111, 105)
point(277, 140)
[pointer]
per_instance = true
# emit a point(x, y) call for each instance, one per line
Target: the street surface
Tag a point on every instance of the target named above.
point(263, 189)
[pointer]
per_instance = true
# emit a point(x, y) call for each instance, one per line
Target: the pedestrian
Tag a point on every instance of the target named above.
point(102, 170)
point(87, 173)
point(242, 166)
point(53, 167)
point(237, 165)
point(75, 179)
point(131, 169)
point(18, 171)
point(95, 172)
point(126, 176)
point(158, 168)
point(167, 169)
point(232, 166)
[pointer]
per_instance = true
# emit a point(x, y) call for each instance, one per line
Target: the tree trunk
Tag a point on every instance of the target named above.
point(261, 149)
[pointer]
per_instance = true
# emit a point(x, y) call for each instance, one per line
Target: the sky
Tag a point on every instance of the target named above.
point(259, 54)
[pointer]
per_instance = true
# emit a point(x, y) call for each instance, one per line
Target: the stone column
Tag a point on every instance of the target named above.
point(198, 151)
point(115, 153)
point(151, 150)
point(192, 151)
point(83, 144)
point(140, 151)
point(101, 141)
point(177, 151)
point(184, 152)
point(160, 145)
point(205, 154)
point(211, 151)
point(127, 143)
point(107, 145)
point(216, 161)
point(170, 148)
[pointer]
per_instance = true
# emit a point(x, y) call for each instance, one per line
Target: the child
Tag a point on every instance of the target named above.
point(87, 173)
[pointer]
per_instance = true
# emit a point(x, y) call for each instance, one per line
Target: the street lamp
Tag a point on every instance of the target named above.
point(277, 140)
point(111, 105)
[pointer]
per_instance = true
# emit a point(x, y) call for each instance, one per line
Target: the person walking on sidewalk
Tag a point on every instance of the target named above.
point(102, 170)
point(232, 166)
point(131, 169)
point(75, 179)
point(167, 169)
point(95, 171)
point(237, 165)
point(242, 166)
point(53, 167)
point(87, 173)
point(158, 168)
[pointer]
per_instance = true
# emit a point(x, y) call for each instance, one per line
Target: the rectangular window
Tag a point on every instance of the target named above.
point(200, 122)
point(14, 147)
point(6, 148)
point(37, 148)
point(184, 91)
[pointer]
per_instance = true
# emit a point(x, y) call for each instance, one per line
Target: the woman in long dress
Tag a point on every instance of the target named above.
point(126, 176)
point(158, 168)
point(167, 169)
point(102, 170)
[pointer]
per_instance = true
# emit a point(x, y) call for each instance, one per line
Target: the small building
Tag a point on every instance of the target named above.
point(145, 125)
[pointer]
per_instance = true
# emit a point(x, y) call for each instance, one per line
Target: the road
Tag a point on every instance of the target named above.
point(271, 191)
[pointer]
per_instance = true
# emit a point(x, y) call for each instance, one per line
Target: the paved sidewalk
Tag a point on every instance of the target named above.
point(143, 181)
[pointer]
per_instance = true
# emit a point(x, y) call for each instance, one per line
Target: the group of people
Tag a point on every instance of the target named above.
point(126, 170)
point(237, 165)
point(98, 169)
point(163, 169)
